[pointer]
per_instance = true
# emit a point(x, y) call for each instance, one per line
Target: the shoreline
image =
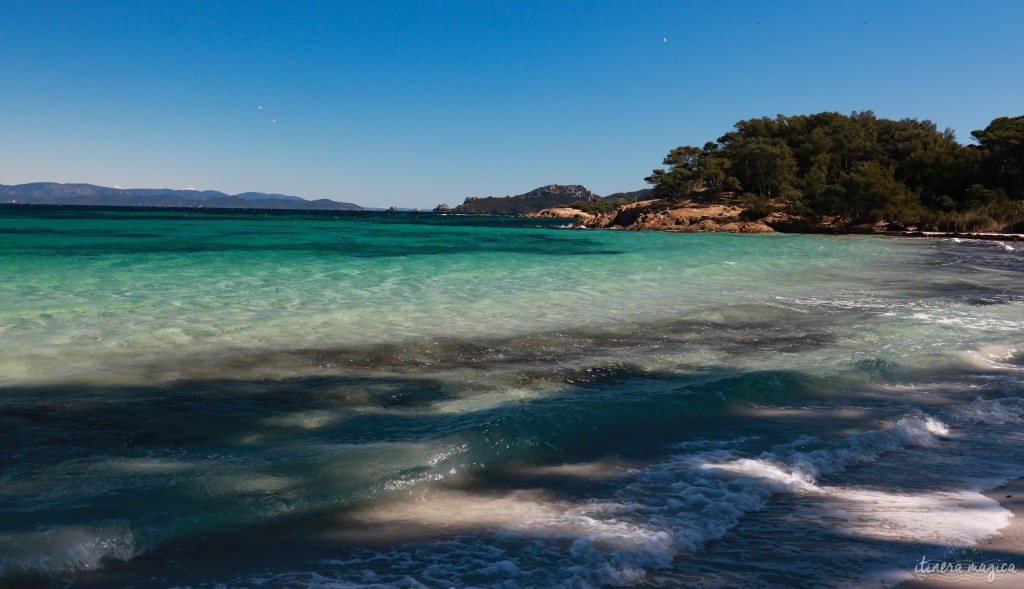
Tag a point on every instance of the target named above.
point(1005, 546)
point(696, 215)
point(953, 235)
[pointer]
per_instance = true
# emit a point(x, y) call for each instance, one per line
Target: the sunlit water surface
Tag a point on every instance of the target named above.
point(240, 399)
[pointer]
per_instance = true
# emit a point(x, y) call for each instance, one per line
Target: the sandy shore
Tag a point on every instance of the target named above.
point(1007, 546)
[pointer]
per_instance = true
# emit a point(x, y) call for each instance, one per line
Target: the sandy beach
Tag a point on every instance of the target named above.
point(1007, 546)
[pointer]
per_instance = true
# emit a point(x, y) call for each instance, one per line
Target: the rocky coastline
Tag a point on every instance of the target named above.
point(695, 215)
point(689, 215)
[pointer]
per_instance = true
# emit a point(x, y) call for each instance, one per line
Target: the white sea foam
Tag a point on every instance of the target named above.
point(774, 477)
point(857, 302)
point(953, 317)
point(242, 483)
point(796, 471)
point(936, 517)
point(1008, 410)
point(1004, 359)
point(666, 510)
point(61, 550)
point(306, 420)
point(147, 465)
point(929, 312)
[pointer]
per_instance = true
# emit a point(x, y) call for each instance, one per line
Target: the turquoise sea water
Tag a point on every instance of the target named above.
point(249, 399)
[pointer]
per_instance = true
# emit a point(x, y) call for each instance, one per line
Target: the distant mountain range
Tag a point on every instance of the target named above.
point(53, 193)
point(545, 197)
point(90, 194)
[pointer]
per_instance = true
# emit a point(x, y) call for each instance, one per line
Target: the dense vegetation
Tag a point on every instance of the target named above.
point(861, 168)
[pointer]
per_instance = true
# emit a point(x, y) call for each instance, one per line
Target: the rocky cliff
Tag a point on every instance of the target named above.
point(689, 215)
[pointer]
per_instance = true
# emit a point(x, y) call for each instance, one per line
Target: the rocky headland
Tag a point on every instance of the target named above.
point(687, 215)
point(694, 215)
point(562, 213)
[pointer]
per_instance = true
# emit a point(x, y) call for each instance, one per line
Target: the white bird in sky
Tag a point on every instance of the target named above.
point(664, 39)
point(273, 120)
point(259, 106)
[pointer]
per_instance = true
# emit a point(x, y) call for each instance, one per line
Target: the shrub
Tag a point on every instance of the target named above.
point(755, 207)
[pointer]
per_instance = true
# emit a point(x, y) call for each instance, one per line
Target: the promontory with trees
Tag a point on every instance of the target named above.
point(832, 172)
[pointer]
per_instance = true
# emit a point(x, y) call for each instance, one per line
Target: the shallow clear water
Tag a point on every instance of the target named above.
point(199, 399)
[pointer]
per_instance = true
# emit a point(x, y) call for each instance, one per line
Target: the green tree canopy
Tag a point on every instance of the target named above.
point(1003, 144)
point(691, 168)
point(855, 166)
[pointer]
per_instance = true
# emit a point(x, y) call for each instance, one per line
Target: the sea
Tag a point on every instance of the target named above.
point(195, 398)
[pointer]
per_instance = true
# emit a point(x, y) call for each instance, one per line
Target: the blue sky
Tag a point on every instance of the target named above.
point(413, 104)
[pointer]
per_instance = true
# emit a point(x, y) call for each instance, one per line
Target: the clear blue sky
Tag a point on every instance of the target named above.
point(417, 103)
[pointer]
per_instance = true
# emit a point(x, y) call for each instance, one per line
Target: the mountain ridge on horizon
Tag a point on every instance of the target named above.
point(95, 195)
point(84, 194)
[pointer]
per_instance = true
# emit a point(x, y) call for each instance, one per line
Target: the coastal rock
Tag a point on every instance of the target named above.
point(689, 215)
point(561, 213)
